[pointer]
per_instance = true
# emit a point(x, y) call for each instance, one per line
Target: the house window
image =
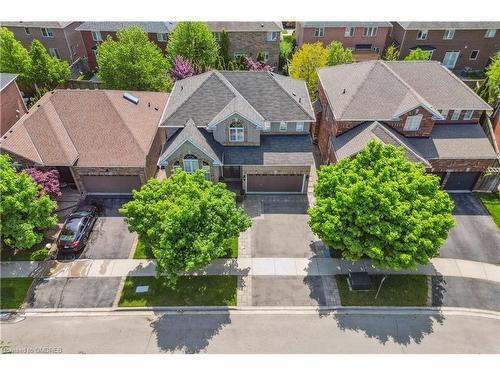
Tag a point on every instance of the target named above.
point(474, 54)
point(349, 32)
point(267, 126)
point(283, 126)
point(468, 115)
point(190, 163)
point(176, 165)
point(444, 113)
point(27, 31)
point(46, 32)
point(265, 55)
point(54, 53)
point(490, 33)
point(236, 132)
point(206, 169)
point(96, 36)
point(272, 36)
point(422, 34)
point(448, 34)
point(217, 36)
point(299, 126)
point(413, 123)
point(161, 37)
point(369, 31)
point(319, 32)
point(455, 116)
point(238, 55)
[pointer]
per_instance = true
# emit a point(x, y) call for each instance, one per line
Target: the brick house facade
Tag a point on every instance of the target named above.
point(474, 43)
point(59, 38)
point(364, 38)
point(12, 106)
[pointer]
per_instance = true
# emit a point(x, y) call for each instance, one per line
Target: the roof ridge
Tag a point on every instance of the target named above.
point(125, 123)
point(361, 83)
point(208, 75)
point(289, 95)
point(225, 81)
point(412, 90)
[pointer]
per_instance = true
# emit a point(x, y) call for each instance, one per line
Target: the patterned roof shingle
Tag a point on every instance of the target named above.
point(433, 25)
point(149, 27)
point(216, 26)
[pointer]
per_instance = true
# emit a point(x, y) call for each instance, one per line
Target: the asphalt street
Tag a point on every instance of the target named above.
point(255, 332)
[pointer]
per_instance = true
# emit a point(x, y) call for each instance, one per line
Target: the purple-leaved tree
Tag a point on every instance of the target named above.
point(181, 68)
point(257, 66)
point(49, 181)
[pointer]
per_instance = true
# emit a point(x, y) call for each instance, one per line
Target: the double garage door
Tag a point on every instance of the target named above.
point(275, 183)
point(111, 184)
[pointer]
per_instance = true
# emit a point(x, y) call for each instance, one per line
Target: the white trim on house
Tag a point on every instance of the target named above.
point(422, 34)
point(47, 32)
point(96, 36)
point(455, 115)
point(161, 159)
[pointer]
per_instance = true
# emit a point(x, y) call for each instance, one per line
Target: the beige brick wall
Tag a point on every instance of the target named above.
point(251, 134)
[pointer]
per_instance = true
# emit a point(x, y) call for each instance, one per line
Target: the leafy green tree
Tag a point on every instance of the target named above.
point(24, 210)
point(381, 205)
point(391, 53)
point(418, 54)
point(304, 63)
point(46, 71)
point(133, 62)
point(337, 54)
point(195, 42)
point(224, 46)
point(14, 58)
point(286, 49)
point(185, 220)
point(489, 90)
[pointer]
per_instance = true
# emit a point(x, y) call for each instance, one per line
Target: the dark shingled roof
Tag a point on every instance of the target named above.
point(149, 27)
point(273, 150)
point(216, 26)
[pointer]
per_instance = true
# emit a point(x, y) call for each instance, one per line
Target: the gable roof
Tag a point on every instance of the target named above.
point(149, 27)
point(350, 143)
point(311, 24)
point(449, 25)
point(263, 96)
point(49, 24)
point(383, 90)
point(6, 79)
point(199, 138)
point(216, 26)
point(88, 128)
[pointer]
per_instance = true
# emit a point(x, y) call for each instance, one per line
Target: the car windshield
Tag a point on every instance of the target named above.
point(70, 230)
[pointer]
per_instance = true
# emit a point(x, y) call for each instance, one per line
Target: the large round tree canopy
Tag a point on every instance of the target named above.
point(381, 205)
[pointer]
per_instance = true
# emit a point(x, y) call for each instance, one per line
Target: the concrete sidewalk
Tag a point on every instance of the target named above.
point(244, 267)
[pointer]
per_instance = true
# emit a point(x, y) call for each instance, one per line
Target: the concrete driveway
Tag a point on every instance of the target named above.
point(280, 227)
point(475, 235)
point(74, 292)
point(110, 238)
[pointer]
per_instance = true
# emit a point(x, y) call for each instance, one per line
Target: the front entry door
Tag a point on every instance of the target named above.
point(450, 59)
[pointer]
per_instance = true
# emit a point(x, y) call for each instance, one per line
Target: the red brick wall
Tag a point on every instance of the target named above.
point(337, 34)
point(458, 165)
point(474, 120)
point(90, 44)
point(425, 126)
point(464, 41)
point(10, 101)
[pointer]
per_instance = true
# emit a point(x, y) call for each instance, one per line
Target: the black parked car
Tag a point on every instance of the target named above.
point(76, 231)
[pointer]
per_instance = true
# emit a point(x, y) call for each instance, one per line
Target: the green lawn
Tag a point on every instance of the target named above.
point(397, 290)
point(13, 290)
point(142, 252)
point(189, 291)
point(492, 203)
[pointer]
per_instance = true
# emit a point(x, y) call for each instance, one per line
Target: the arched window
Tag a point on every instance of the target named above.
point(190, 163)
point(236, 132)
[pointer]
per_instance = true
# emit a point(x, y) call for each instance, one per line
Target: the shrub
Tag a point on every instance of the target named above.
point(39, 254)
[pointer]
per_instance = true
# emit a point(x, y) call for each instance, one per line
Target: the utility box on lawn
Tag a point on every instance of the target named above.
point(359, 281)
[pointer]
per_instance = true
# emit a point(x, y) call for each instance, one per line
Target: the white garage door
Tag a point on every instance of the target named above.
point(111, 184)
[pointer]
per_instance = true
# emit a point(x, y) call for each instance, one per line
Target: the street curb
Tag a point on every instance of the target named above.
point(343, 310)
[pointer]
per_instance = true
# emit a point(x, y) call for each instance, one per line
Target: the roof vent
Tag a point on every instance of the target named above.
point(300, 100)
point(293, 93)
point(343, 91)
point(131, 98)
point(261, 25)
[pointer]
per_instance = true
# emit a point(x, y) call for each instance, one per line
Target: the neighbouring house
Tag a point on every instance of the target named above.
point(104, 141)
point(249, 128)
point(61, 39)
point(12, 106)
point(95, 32)
point(418, 105)
point(250, 38)
point(366, 39)
point(458, 45)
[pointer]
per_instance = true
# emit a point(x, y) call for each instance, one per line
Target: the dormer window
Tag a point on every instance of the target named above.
point(236, 132)
point(413, 123)
point(190, 163)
